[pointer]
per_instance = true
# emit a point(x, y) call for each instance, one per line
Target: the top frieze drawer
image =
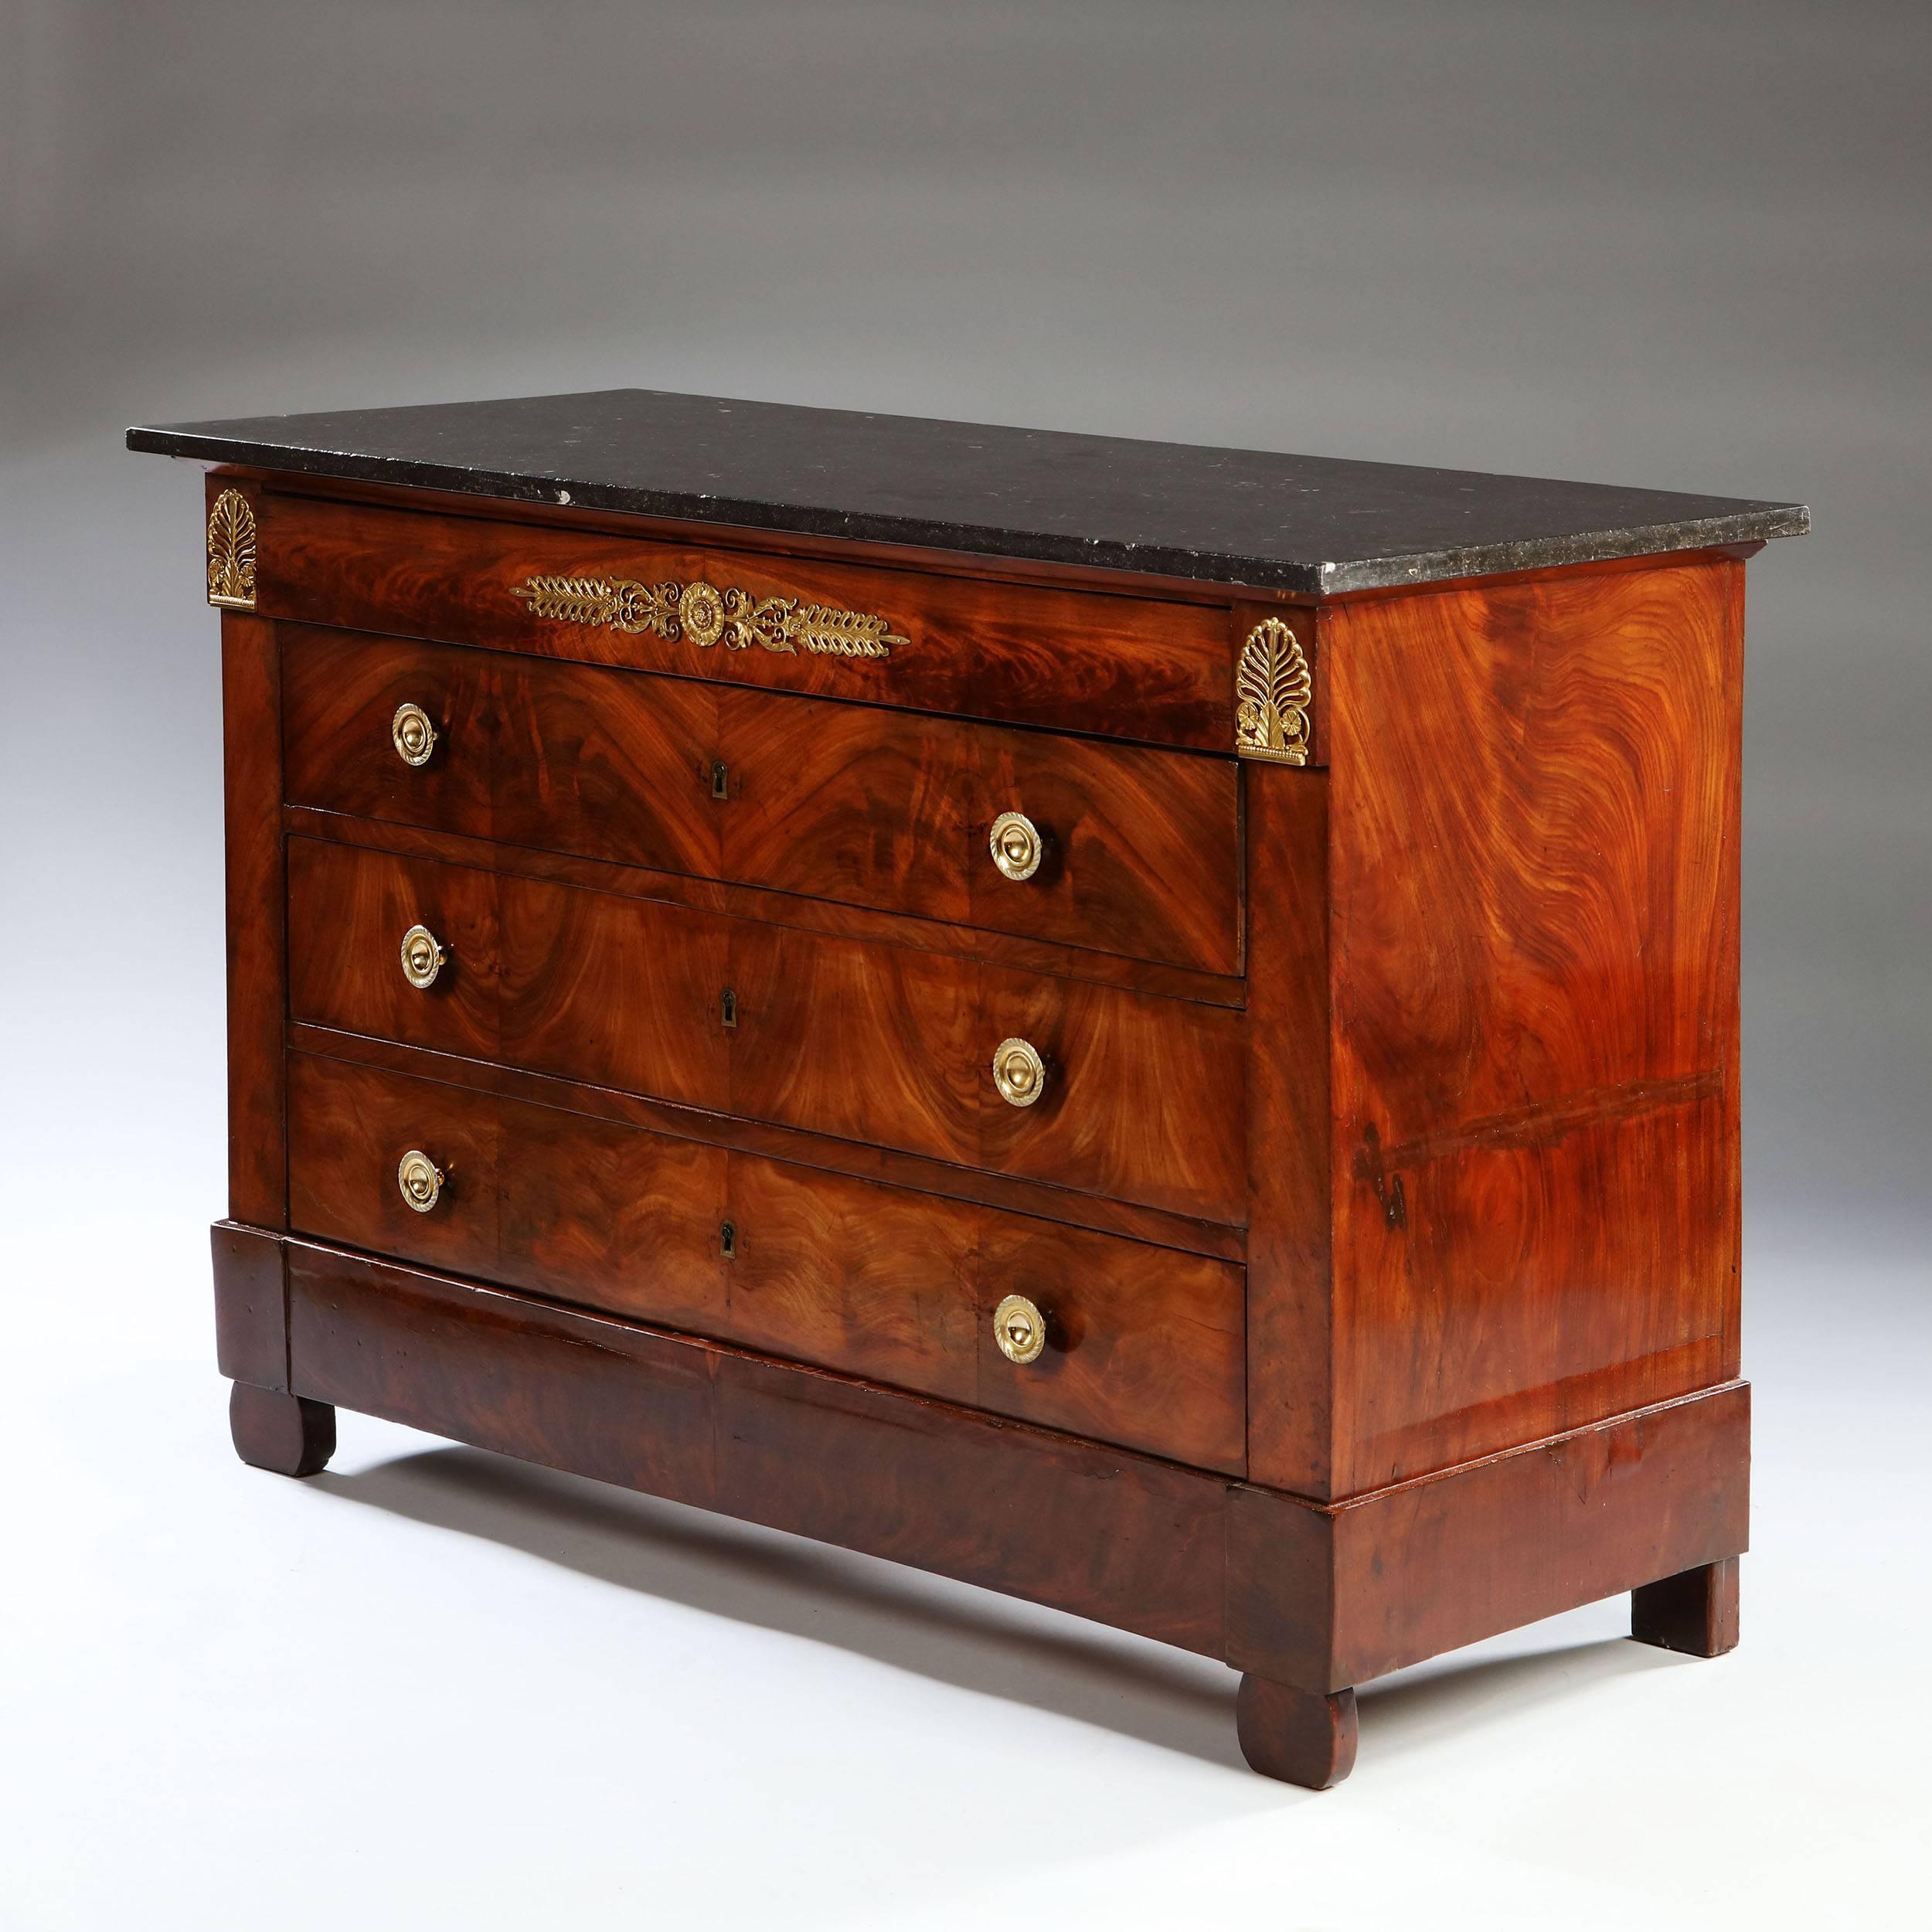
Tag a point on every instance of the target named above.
point(1100, 661)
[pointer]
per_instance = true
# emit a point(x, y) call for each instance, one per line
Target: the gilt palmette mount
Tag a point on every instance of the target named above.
point(1272, 691)
point(700, 613)
point(231, 552)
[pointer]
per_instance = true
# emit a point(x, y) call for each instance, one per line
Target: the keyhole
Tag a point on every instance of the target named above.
point(728, 1007)
point(728, 1241)
point(720, 779)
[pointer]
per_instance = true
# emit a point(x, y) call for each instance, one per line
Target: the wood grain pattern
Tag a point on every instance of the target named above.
point(1145, 1344)
point(251, 751)
point(875, 1044)
point(1290, 1322)
point(844, 801)
point(819, 1152)
point(1386, 1579)
point(889, 811)
point(251, 1320)
point(1114, 665)
point(619, 990)
point(1123, 1539)
point(1301, 1737)
point(607, 763)
point(1533, 865)
point(1315, 1596)
point(784, 909)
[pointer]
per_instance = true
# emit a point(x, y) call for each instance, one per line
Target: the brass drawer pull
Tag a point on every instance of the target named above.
point(420, 1179)
point(412, 733)
point(1018, 1072)
point(1020, 1329)
point(423, 957)
point(1018, 848)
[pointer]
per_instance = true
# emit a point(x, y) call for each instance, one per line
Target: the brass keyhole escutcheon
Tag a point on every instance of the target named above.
point(412, 733)
point(423, 957)
point(1017, 845)
point(420, 1180)
point(1018, 1072)
point(1020, 1329)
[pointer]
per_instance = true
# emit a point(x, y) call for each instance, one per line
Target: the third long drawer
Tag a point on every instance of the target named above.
point(1143, 1344)
point(1143, 1096)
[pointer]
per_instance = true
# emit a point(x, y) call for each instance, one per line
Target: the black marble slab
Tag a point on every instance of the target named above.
point(1304, 523)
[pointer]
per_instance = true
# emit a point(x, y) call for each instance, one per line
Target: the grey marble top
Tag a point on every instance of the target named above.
point(1315, 524)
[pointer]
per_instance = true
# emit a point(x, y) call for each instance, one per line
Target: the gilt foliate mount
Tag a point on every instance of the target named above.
point(231, 552)
point(700, 613)
point(1273, 689)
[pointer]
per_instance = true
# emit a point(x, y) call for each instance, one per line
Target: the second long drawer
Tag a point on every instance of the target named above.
point(1142, 1097)
point(1143, 1344)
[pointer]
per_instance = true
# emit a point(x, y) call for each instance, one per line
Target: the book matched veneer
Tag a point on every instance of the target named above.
point(1143, 1344)
point(877, 1044)
point(846, 801)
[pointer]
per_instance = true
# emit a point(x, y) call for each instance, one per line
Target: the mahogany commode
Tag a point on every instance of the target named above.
point(1153, 1029)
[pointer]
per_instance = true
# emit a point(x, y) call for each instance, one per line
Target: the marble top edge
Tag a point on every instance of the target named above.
point(1265, 519)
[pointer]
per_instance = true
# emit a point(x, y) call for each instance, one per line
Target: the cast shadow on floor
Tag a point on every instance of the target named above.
point(974, 1639)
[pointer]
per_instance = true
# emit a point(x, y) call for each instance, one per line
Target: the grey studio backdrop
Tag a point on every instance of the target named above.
point(1684, 246)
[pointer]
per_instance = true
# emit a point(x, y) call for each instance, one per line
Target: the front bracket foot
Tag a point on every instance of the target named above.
point(1301, 1737)
point(289, 1434)
point(1694, 1612)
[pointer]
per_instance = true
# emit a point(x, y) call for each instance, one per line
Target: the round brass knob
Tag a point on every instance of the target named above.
point(412, 733)
point(420, 1180)
point(1020, 1329)
point(1018, 1072)
point(422, 957)
point(1018, 848)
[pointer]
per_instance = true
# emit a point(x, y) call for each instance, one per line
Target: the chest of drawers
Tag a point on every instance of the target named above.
point(1151, 1028)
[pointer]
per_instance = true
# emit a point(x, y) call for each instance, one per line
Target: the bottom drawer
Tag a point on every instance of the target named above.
point(1144, 1345)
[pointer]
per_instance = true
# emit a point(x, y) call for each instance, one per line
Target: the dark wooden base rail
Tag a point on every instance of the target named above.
point(1307, 1599)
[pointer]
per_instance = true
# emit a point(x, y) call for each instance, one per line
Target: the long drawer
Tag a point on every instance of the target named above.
point(1144, 1345)
point(1140, 1099)
point(1123, 849)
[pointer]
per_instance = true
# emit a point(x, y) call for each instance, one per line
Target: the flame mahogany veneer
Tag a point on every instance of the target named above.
point(1382, 1208)
point(839, 801)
